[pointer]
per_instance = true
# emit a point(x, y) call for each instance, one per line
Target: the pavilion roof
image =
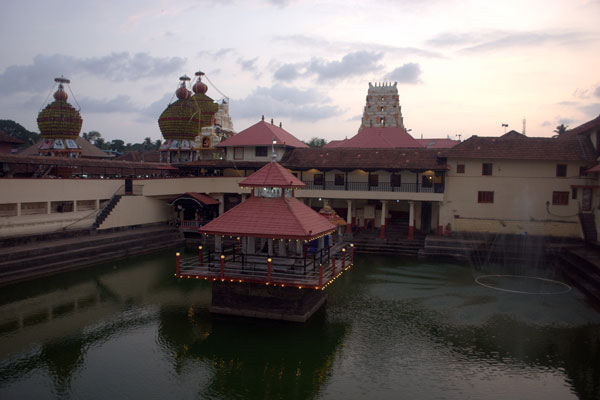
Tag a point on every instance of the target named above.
point(198, 197)
point(272, 175)
point(378, 138)
point(270, 217)
point(262, 134)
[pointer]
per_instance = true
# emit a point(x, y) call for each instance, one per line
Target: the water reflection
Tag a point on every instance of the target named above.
point(391, 329)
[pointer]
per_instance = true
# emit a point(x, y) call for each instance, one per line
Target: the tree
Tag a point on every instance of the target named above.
point(157, 144)
point(117, 145)
point(99, 143)
point(16, 130)
point(317, 142)
point(560, 129)
point(147, 144)
point(91, 136)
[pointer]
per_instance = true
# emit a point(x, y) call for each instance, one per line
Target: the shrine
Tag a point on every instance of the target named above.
point(282, 254)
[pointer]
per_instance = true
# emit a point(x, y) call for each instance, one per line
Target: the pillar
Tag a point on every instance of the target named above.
point(411, 221)
point(74, 205)
point(270, 247)
point(250, 245)
point(383, 218)
point(349, 216)
point(97, 204)
point(18, 209)
point(218, 244)
point(282, 249)
point(221, 198)
point(48, 207)
point(299, 252)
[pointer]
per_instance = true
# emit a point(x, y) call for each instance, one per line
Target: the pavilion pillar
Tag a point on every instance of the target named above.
point(250, 245)
point(282, 249)
point(383, 218)
point(299, 249)
point(218, 244)
point(411, 221)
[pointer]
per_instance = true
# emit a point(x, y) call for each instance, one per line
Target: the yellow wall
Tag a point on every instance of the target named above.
point(521, 190)
point(137, 210)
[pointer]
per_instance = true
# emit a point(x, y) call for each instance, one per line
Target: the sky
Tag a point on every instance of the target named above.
point(462, 67)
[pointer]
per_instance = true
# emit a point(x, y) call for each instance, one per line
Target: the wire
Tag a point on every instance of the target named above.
point(45, 101)
point(217, 89)
point(72, 94)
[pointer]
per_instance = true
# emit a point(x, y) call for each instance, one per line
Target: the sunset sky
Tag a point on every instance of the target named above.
point(462, 67)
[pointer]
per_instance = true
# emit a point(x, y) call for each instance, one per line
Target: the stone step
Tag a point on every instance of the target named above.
point(92, 249)
point(45, 248)
point(80, 262)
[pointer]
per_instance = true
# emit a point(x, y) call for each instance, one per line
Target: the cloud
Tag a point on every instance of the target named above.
point(247, 64)
point(494, 40)
point(115, 67)
point(316, 42)
point(597, 92)
point(121, 103)
point(407, 73)
point(352, 64)
point(591, 110)
point(284, 102)
point(219, 53)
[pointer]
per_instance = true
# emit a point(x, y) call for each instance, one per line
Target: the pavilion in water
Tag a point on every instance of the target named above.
point(282, 254)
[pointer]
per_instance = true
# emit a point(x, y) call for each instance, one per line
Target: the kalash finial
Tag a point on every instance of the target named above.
point(199, 86)
point(60, 94)
point(182, 92)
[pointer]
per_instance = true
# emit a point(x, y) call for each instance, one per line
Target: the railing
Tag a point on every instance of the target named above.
point(381, 187)
point(301, 272)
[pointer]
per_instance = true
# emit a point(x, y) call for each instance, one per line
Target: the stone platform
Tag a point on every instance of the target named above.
point(266, 301)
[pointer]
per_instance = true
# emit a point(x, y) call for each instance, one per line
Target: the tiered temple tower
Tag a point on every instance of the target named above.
point(59, 124)
point(193, 125)
point(383, 106)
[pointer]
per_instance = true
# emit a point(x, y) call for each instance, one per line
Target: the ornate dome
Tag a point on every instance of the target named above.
point(59, 119)
point(199, 86)
point(180, 120)
point(185, 118)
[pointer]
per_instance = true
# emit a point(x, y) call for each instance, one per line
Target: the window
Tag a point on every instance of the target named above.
point(582, 171)
point(460, 168)
point(486, 169)
point(318, 179)
point(395, 180)
point(382, 120)
point(238, 153)
point(373, 180)
point(574, 193)
point(381, 108)
point(561, 170)
point(485, 197)
point(560, 198)
point(261, 151)
point(339, 179)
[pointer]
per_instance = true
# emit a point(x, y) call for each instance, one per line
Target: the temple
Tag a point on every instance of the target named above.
point(280, 247)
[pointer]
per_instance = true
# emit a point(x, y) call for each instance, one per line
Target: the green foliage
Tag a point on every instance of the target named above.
point(317, 142)
point(15, 129)
point(562, 128)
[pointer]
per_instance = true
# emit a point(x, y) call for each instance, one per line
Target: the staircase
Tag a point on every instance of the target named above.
point(42, 171)
point(588, 226)
point(369, 242)
point(23, 259)
point(106, 210)
point(458, 249)
point(581, 267)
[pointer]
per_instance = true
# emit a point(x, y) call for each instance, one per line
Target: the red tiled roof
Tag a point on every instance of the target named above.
point(206, 200)
point(367, 159)
point(515, 146)
point(272, 175)
point(379, 138)
point(140, 155)
point(6, 138)
point(88, 150)
point(335, 143)
point(262, 134)
point(279, 218)
point(587, 126)
point(443, 143)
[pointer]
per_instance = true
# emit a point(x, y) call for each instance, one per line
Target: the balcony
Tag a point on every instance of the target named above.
point(381, 187)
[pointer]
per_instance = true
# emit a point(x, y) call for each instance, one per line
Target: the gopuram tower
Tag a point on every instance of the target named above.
point(383, 106)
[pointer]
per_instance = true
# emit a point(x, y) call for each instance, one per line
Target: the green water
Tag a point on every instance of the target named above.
point(391, 329)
